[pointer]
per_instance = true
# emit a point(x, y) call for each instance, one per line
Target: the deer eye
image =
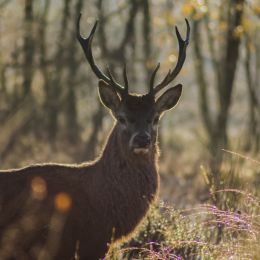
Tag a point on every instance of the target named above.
point(131, 120)
point(156, 120)
point(149, 121)
point(121, 120)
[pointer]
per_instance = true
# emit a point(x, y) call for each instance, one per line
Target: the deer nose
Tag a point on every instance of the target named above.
point(142, 140)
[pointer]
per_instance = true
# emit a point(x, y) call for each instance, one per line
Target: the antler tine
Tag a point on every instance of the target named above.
point(167, 77)
point(125, 79)
point(112, 81)
point(188, 31)
point(86, 44)
point(122, 91)
point(111, 78)
point(153, 77)
point(181, 58)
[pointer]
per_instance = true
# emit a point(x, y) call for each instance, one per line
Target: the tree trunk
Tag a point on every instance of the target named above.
point(28, 48)
point(43, 53)
point(224, 69)
point(54, 92)
point(71, 116)
point(97, 125)
point(147, 40)
point(229, 64)
point(253, 141)
point(201, 78)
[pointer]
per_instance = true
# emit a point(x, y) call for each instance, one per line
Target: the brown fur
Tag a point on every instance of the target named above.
point(110, 196)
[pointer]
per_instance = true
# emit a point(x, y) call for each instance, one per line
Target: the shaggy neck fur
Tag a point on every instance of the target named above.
point(134, 182)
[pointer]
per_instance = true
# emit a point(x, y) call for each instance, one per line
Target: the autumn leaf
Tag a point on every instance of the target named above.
point(187, 9)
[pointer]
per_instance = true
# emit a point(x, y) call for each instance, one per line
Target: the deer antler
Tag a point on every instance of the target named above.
point(171, 75)
point(86, 44)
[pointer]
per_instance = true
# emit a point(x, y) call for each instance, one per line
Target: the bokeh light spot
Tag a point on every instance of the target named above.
point(39, 189)
point(62, 202)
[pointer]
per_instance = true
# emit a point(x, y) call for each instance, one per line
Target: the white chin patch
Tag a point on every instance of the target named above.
point(141, 150)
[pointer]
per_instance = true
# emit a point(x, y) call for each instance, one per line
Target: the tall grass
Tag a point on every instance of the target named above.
point(226, 226)
point(193, 233)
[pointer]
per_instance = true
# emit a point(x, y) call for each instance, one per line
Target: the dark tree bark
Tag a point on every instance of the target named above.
point(201, 79)
point(228, 69)
point(43, 51)
point(97, 125)
point(71, 116)
point(3, 80)
point(225, 68)
point(54, 90)
point(147, 39)
point(28, 48)
point(252, 78)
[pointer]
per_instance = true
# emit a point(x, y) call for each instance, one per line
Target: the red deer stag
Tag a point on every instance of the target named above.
point(109, 196)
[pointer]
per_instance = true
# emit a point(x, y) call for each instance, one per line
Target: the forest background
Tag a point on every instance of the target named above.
point(49, 105)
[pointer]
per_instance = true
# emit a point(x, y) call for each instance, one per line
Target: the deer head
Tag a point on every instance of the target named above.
point(137, 115)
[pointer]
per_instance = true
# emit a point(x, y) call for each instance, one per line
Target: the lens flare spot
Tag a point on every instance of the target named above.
point(62, 202)
point(172, 58)
point(238, 32)
point(39, 189)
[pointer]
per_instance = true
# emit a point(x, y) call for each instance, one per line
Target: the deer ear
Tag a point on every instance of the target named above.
point(108, 96)
point(169, 99)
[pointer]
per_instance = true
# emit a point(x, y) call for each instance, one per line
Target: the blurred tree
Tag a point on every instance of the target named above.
point(72, 126)
point(225, 66)
point(3, 80)
point(16, 122)
point(43, 52)
point(28, 48)
point(148, 62)
point(4, 3)
point(53, 90)
point(252, 67)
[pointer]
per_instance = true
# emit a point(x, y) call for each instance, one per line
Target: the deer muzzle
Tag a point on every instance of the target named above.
point(140, 143)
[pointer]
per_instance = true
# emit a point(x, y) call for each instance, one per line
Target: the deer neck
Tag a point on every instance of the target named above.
point(132, 182)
